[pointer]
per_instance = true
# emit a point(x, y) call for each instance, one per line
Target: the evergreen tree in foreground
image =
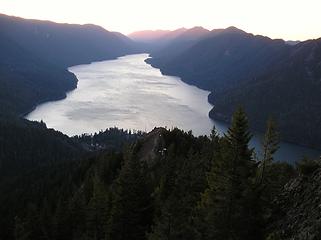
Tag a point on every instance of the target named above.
point(131, 208)
point(226, 208)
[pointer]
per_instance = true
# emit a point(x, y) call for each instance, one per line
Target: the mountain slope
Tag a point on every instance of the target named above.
point(27, 80)
point(35, 55)
point(148, 35)
point(65, 44)
point(178, 44)
point(224, 58)
point(164, 173)
point(26, 145)
point(268, 77)
point(150, 40)
point(290, 94)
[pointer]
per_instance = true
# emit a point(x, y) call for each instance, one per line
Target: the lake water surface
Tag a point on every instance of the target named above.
point(130, 94)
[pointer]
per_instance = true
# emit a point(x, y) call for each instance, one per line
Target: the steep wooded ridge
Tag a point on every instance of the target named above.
point(268, 77)
point(26, 145)
point(166, 184)
point(35, 55)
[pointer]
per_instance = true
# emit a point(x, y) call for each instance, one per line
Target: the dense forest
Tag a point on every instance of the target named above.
point(266, 76)
point(166, 184)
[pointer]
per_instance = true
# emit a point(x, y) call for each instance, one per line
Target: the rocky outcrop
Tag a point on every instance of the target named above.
point(152, 146)
point(297, 213)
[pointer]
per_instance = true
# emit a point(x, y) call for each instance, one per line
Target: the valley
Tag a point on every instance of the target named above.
point(130, 94)
point(177, 134)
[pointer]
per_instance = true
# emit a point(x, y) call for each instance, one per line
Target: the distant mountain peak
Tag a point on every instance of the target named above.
point(198, 29)
point(233, 29)
point(291, 42)
point(148, 35)
point(193, 33)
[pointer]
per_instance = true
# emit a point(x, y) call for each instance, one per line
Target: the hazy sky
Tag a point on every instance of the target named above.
point(288, 19)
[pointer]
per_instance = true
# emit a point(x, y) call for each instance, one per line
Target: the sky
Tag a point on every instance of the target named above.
point(287, 19)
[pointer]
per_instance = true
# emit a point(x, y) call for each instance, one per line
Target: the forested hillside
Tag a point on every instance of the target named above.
point(224, 58)
point(268, 77)
point(291, 94)
point(164, 185)
point(26, 145)
point(27, 80)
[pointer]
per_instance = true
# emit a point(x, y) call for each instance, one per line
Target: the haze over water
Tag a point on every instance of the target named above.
point(130, 94)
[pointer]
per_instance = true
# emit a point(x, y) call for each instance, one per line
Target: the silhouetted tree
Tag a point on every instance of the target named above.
point(226, 205)
point(270, 146)
point(130, 213)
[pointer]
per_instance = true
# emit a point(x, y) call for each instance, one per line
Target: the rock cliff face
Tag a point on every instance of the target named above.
point(297, 214)
point(153, 146)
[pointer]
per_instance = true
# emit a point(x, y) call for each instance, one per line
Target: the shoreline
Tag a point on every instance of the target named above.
point(64, 95)
point(226, 119)
point(217, 116)
point(53, 99)
point(222, 118)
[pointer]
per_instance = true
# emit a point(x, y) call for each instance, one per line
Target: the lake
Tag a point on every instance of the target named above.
point(128, 93)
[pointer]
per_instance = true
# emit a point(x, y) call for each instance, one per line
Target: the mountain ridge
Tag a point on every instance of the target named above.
point(229, 60)
point(36, 53)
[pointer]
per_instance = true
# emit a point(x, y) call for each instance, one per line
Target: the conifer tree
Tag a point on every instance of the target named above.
point(130, 213)
point(176, 197)
point(268, 181)
point(20, 231)
point(78, 215)
point(226, 205)
point(214, 136)
point(32, 223)
point(61, 221)
point(98, 211)
point(270, 146)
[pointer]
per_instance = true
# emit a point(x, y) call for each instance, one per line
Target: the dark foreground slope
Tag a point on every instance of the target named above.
point(297, 209)
point(36, 161)
point(165, 185)
point(268, 77)
point(26, 145)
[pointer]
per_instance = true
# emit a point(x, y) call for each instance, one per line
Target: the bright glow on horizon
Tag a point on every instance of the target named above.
point(287, 19)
